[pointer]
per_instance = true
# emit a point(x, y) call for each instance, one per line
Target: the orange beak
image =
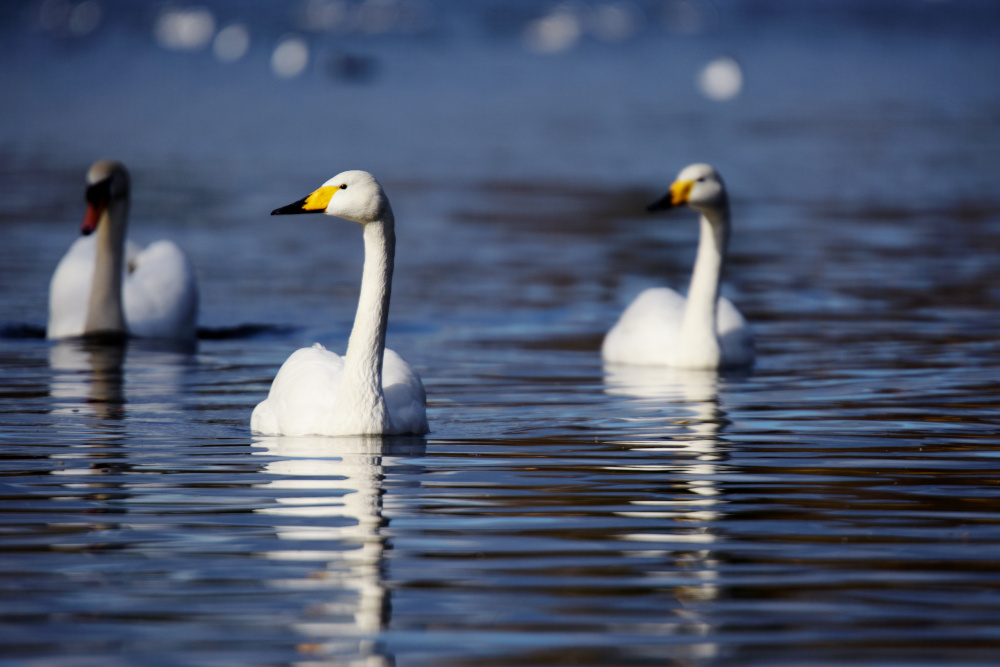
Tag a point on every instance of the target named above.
point(97, 203)
point(91, 218)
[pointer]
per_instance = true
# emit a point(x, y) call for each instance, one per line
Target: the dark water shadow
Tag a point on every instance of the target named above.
point(21, 331)
point(29, 331)
point(247, 332)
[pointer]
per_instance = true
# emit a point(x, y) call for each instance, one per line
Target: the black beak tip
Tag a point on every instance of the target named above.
point(290, 209)
point(295, 208)
point(660, 204)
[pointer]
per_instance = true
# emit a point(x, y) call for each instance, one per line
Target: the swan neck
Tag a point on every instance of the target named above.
point(366, 347)
point(699, 327)
point(104, 309)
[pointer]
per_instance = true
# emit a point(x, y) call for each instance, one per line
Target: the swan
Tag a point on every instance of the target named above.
point(104, 285)
point(371, 390)
point(703, 331)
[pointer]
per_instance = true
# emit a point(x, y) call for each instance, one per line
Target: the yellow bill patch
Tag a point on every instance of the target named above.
point(319, 200)
point(680, 191)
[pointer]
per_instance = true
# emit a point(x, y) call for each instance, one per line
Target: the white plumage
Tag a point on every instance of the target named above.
point(303, 399)
point(371, 389)
point(702, 330)
point(648, 332)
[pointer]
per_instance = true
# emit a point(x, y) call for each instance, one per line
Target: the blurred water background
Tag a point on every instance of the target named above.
point(840, 504)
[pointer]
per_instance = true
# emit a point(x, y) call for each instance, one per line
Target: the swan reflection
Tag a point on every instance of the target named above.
point(329, 499)
point(88, 377)
point(679, 421)
point(98, 377)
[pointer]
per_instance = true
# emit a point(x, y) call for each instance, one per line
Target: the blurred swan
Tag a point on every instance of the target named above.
point(104, 285)
point(704, 330)
point(370, 390)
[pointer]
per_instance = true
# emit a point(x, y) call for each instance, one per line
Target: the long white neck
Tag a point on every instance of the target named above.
point(104, 310)
point(360, 392)
point(699, 345)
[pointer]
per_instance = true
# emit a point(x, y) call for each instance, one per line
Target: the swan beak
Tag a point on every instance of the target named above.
point(679, 193)
point(91, 218)
point(97, 204)
point(315, 202)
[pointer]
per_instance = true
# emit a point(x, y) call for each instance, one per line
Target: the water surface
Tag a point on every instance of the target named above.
point(838, 504)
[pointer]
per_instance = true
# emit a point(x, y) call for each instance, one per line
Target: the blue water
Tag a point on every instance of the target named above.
point(838, 504)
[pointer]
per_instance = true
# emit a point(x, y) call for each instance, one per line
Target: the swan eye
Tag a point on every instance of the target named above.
point(343, 186)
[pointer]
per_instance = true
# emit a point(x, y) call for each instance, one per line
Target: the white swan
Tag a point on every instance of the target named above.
point(370, 390)
point(106, 286)
point(704, 330)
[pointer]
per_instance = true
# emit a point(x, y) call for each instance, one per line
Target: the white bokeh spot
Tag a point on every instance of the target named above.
point(231, 43)
point(290, 57)
point(721, 79)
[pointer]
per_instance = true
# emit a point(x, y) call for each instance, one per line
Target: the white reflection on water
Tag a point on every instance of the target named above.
point(329, 502)
point(97, 378)
point(693, 398)
point(87, 379)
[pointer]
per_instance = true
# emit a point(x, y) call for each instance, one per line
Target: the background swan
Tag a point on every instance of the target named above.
point(704, 330)
point(370, 390)
point(104, 285)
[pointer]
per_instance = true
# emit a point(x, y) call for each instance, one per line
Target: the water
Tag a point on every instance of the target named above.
point(836, 505)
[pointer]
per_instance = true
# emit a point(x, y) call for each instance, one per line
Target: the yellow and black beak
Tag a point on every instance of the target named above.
point(678, 195)
point(315, 202)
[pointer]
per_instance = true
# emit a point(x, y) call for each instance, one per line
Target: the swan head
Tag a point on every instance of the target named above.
point(699, 186)
point(352, 195)
point(107, 187)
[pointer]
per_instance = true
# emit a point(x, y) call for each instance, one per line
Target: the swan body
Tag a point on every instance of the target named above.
point(702, 330)
point(109, 286)
point(370, 390)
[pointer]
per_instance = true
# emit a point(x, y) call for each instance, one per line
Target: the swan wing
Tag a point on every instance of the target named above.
point(734, 335)
point(302, 395)
point(160, 293)
point(405, 397)
point(646, 331)
point(132, 252)
point(69, 290)
point(304, 392)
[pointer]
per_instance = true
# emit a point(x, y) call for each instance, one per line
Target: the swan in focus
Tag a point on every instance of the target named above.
point(370, 390)
point(704, 330)
point(106, 286)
